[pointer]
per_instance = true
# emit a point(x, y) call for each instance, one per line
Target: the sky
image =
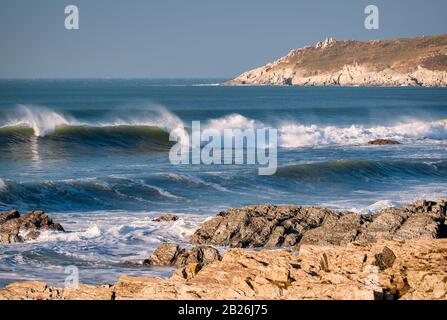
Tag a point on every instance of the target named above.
point(188, 38)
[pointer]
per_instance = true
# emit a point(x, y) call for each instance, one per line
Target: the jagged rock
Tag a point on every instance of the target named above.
point(271, 226)
point(166, 218)
point(409, 62)
point(165, 255)
point(14, 214)
point(12, 224)
point(418, 272)
point(383, 142)
point(169, 254)
point(260, 226)
point(385, 259)
point(189, 271)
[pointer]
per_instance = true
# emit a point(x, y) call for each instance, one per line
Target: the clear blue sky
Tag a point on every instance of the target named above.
point(188, 38)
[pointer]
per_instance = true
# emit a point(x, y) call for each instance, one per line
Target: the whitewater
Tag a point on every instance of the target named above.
point(45, 122)
point(95, 156)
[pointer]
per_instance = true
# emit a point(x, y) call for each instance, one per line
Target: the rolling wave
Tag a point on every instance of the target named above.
point(44, 122)
point(348, 170)
point(133, 130)
point(102, 193)
point(120, 136)
point(128, 129)
point(81, 193)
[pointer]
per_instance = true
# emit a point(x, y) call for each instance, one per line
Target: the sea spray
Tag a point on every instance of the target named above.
point(234, 146)
point(41, 120)
point(45, 121)
point(296, 135)
point(291, 134)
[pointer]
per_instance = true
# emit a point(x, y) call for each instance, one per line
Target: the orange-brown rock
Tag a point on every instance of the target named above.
point(414, 269)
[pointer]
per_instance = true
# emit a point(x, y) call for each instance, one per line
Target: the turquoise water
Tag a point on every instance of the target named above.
point(94, 154)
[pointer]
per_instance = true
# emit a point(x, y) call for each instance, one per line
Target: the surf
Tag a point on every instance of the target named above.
point(45, 122)
point(348, 171)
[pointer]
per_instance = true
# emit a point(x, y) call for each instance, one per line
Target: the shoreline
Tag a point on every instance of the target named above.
point(398, 253)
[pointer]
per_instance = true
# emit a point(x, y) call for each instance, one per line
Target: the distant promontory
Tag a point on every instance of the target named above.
point(401, 62)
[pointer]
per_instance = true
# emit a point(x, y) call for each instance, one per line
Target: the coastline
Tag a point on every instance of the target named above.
point(327, 262)
point(357, 63)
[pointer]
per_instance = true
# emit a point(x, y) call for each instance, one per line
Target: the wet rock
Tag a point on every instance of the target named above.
point(270, 226)
point(14, 214)
point(338, 229)
point(13, 225)
point(385, 259)
point(169, 254)
point(166, 218)
point(260, 226)
point(383, 142)
point(165, 255)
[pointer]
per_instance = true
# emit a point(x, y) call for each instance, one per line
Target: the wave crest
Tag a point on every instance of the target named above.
point(295, 135)
point(46, 122)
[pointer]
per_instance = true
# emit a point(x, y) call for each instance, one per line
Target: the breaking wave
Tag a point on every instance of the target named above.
point(295, 135)
point(44, 122)
point(124, 129)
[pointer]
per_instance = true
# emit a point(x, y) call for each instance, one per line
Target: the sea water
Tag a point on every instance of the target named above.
point(94, 154)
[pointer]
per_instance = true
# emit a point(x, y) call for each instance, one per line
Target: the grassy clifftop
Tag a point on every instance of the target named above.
point(395, 61)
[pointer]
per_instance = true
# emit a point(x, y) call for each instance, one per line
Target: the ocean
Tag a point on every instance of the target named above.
point(93, 154)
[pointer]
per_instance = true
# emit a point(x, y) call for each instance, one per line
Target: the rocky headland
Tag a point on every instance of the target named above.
point(401, 62)
point(17, 228)
point(289, 252)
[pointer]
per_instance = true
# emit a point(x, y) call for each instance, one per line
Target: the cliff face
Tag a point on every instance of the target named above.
point(401, 62)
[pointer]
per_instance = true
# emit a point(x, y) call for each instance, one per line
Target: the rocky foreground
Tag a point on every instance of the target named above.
point(271, 226)
point(302, 253)
point(400, 62)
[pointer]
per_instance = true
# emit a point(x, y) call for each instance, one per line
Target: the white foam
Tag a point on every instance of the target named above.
point(44, 121)
point(159, 118)
point(291, 134)
point(2, 184)
point(41, 120)
point(295, 135)
point(379, 205)
point(50, 236)
point(232, 121)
